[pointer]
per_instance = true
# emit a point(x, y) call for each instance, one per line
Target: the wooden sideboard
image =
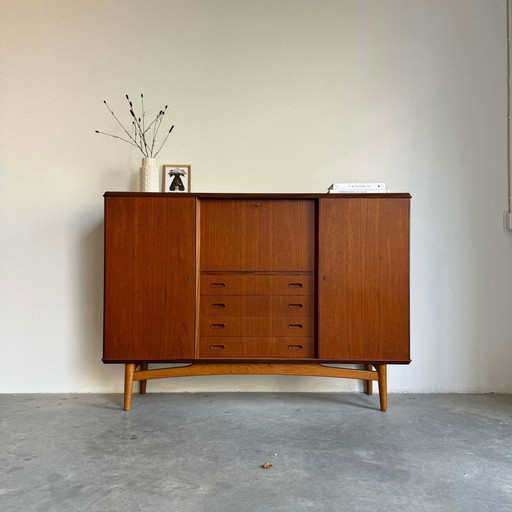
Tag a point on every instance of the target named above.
point(281, 284)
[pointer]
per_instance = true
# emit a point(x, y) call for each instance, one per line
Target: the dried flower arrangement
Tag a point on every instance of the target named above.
point(144, 137)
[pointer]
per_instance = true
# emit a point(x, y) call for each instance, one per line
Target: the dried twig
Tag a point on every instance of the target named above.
point(119, 122)
point(158, 127)
point(139, 138)
point(116, 137)
point(168, 133)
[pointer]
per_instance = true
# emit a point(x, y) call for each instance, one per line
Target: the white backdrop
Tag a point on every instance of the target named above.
point(270, 96)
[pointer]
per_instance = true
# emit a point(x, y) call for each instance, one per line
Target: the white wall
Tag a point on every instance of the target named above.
point(270, 96)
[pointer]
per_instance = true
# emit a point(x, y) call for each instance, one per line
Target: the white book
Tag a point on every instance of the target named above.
point(352, 191)
point(358, 186)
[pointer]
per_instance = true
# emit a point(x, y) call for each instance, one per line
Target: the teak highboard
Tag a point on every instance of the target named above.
point(276, 284)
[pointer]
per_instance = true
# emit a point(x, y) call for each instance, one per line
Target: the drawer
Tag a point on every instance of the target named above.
point(257, 234)
point(256, 326)
point(257, 284)
point(253, 305)
point(260, 348)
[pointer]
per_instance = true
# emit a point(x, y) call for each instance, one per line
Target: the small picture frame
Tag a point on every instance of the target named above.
point(176, 178)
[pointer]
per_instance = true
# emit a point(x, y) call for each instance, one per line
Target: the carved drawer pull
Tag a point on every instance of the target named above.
point(295, 285)
point(217, 347)
point(295, 347)
point(295, 306)
point(218, 285)
point(219, 305)
point(294, 326)
point(217, 326)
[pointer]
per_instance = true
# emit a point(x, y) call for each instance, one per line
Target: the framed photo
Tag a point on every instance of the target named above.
point(176, 178)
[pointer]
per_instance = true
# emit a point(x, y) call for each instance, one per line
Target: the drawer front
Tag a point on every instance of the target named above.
point(253, 305)
point(256, 326)
point(257, 347)
point(256, 284)
point(257, 234)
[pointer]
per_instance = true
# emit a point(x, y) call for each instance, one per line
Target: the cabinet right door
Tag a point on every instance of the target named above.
point(363, 279)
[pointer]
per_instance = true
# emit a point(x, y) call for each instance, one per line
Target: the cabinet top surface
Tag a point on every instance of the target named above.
point(221, 195)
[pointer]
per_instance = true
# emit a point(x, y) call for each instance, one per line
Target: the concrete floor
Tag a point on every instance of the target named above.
point(203, 452)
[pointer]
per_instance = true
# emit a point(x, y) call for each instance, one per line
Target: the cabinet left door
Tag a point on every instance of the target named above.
point(150, 289)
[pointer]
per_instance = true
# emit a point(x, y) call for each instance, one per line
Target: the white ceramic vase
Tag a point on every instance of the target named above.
point(149, 176)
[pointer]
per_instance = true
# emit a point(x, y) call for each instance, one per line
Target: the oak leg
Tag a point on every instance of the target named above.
point(369, 383)
point(129, 369)
point(383, 386)
point(143, 368)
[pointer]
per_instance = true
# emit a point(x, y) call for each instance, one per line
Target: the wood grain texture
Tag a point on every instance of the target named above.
point(143, 383)
point(382, 372)
point(256, 347)
point(369, 383)
point(256, 284)
point(363, 281)
point(253, 305)
point(244, 234)
point(129, 370)
point(255, 195)
point(256, 326)
point(269, 360)
point(149, 278)
point(363, 310)
point(298, 368)
point(197, 278)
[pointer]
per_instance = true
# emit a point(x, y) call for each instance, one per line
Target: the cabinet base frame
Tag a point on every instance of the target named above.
point(312, 370)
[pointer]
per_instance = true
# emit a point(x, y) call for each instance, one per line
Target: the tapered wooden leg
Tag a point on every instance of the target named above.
point(129, 369)
point(143, 367)
point(369, 383)
point(383, 386)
